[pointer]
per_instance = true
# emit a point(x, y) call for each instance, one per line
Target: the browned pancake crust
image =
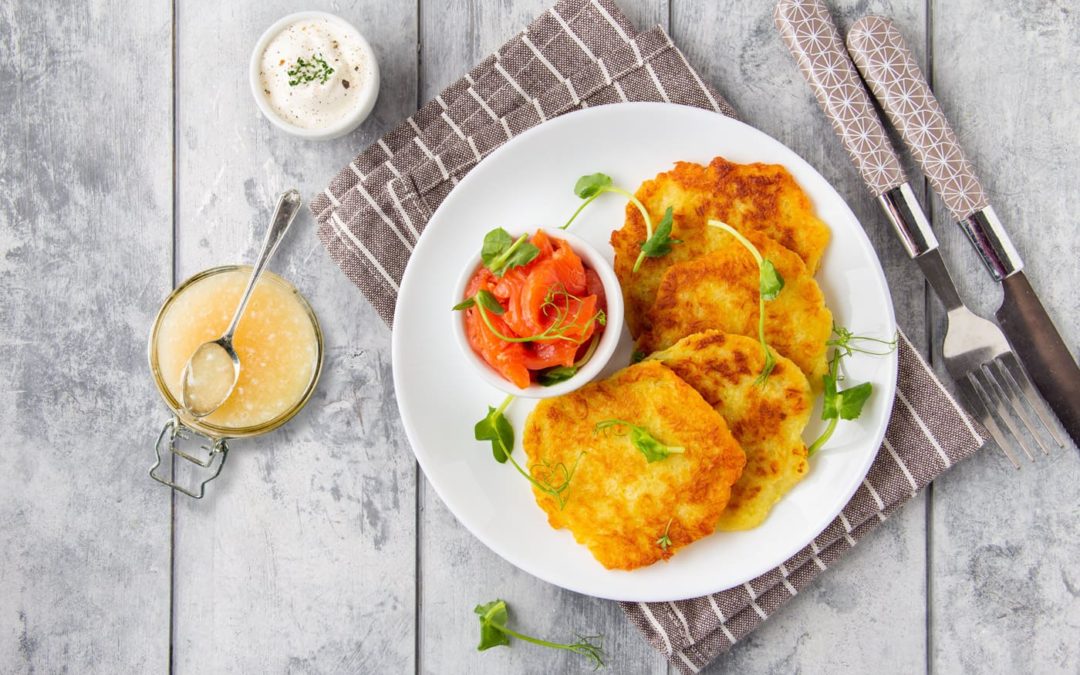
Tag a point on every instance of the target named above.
point(766, 419)
point(618, 504)
point(719, 291)
point(761, 198)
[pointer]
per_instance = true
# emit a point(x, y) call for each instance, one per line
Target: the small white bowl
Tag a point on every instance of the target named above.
point(366, 96)
point(604, 350)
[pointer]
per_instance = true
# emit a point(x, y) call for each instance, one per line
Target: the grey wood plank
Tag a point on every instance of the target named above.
point(861, 616)
point(882, 585)
point(1003, 543)
point(302, 557)
point(85, 239)
point(457, 571)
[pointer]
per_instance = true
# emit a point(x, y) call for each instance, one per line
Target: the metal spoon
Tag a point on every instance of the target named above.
point(208, 379)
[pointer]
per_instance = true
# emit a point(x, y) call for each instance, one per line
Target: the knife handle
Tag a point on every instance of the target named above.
point(814, 41)
point(890, 70)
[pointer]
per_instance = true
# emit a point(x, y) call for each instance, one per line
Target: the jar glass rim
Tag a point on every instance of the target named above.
point(213, 430)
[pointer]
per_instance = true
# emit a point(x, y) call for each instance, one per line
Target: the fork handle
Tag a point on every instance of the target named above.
point(890, 70)
point(814, 41)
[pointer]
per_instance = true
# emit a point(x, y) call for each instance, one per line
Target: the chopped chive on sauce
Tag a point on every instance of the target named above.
point(304, 70)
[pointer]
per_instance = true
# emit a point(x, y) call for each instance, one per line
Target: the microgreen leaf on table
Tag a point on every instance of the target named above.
point(494, 632)
point(492, 614)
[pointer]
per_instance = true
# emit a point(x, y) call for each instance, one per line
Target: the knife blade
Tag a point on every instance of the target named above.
point(890, 70)
point(1039, 346)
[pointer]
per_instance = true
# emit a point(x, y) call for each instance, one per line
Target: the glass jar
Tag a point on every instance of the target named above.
point(204, 442)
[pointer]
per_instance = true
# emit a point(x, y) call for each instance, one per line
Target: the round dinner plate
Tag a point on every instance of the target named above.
point(528, 183)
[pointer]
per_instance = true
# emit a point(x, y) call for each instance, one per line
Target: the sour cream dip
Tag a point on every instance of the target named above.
point(314, 75)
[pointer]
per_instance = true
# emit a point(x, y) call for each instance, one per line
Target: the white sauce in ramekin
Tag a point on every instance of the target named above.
point(329, 71)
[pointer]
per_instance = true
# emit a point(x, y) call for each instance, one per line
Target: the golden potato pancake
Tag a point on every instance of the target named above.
point(618, 504)
point(766, 419)
point(761, 198)
point(719, 291)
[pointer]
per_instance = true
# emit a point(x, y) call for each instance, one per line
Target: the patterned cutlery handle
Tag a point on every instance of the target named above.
point(815, 43)
point(889, 68)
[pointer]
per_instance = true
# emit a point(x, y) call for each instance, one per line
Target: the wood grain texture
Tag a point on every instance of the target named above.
point(322, 548)
point(456, 571)
point(85, 237)
point(1004, 544)
point(302, 559)
point(738, 49)
point(865, 615)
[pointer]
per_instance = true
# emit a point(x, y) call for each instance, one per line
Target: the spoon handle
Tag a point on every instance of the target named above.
point(288, 205)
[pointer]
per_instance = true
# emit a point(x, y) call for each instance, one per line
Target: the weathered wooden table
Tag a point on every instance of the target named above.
point(132, 155)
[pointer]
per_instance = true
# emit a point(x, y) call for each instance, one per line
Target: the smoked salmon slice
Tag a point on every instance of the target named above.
point(553, 306)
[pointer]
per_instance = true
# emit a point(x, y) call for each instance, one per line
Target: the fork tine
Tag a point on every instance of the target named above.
point(996, 402)
point(1014, 395)
point(975, 404)
point(1019, 378)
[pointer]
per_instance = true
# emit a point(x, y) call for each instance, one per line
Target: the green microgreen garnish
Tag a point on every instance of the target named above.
point(770, 283)
point(563, 373)
point(664, 542)
point(304, 71)
point(502, 252)
point(483, 298)
point(494, 427)
point(562, 321)
point(495, 633)
point(657, 242)
point(637, 356)
point(846, 404)
point(653, 449)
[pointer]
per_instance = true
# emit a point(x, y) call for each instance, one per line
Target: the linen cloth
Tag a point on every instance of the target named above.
point(583, 53)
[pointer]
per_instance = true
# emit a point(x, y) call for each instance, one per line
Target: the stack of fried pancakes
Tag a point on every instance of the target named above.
point(694, 314)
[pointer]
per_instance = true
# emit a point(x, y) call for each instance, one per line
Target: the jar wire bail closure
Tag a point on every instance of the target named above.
point(170, 442)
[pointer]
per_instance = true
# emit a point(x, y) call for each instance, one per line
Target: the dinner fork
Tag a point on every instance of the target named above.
point(986, 370)
point(976, 353)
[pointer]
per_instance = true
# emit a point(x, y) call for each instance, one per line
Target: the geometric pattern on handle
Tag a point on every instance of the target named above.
point(812, 37)
point(889, 68)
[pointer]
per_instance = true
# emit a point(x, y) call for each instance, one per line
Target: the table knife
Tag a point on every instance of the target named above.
point(894, 77)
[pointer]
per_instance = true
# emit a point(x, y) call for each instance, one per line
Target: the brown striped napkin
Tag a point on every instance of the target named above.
point(584, 53)
point(579, 53)
point(927, 434)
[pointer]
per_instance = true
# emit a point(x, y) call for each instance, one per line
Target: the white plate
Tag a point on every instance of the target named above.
point(529, 183)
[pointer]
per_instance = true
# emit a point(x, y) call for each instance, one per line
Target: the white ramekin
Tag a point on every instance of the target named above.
point(365, 100)
point(604, 350)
